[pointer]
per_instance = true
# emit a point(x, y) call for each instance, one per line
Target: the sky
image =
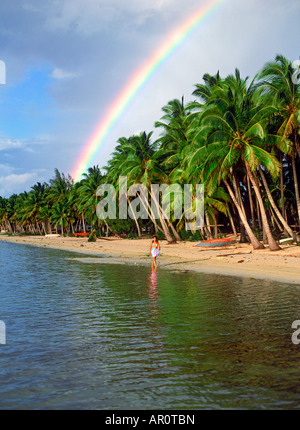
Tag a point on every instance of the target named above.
point(66, 61)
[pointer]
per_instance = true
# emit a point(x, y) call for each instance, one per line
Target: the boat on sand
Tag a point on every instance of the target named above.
point(216, 242)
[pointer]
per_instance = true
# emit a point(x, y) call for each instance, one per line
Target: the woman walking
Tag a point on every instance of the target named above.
point(154, 251)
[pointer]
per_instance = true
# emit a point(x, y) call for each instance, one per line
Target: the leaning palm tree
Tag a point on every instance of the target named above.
point(235, 126)
point(140, 166)
point(277, 80)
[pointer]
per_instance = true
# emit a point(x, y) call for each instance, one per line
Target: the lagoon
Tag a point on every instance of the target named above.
point(81, 335)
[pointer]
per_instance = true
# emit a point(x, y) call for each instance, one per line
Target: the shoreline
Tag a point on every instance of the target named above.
point(233, 260)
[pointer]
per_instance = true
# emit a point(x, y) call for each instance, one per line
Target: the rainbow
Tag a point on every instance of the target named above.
point(135, 84)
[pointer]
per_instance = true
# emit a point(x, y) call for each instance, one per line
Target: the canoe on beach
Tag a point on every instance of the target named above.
point(216, 242)
point(286, 241)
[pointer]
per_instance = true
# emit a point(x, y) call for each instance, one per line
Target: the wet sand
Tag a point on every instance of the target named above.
point(234, 260)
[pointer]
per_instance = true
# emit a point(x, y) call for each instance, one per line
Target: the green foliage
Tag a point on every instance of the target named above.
point(234, 130)
point(92, 236)
point(190, 236)
point(159, 235)
point(131, 235)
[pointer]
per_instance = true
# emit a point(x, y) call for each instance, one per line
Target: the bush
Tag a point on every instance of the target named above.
point(131, 235)
point(92, 236)
point(185, 235)
point(159, 235)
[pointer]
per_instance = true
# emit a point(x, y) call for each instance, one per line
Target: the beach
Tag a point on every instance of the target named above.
point(232, 260)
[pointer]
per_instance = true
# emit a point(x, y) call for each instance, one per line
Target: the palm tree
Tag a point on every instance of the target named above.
point(87, 193)
point(140, 166)
point(33, 204)
point(60, 186)
point(279, 85)
point(60, 214)
point(115, 171)
point(235, 138)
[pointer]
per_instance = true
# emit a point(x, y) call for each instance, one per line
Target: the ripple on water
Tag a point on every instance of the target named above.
point(112, 336)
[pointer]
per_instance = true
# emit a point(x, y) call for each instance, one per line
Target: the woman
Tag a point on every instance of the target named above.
point(154, 251)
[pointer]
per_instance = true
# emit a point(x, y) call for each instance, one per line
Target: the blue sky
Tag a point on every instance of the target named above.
point(67, 60)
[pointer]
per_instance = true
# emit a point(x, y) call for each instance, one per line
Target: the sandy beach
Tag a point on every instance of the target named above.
point(234, 260)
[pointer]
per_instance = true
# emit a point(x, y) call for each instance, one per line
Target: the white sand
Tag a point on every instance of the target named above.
point(234, 260)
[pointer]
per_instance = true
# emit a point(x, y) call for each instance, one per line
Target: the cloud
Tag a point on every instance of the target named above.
point(61, 74)
point(16, 183)
point(89, 50)
point(7, 143)
point(92, 16)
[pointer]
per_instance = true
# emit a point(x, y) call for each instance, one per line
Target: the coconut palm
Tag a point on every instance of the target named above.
point(60, 215)
point(87, 193)
point(140, 166)
point(277, 79)
point(236, 133)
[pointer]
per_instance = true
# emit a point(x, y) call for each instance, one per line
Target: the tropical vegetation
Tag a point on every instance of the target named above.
point(239, 138)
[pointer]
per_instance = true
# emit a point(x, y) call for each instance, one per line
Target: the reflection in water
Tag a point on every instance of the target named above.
point(153, 292)
point(154, 308)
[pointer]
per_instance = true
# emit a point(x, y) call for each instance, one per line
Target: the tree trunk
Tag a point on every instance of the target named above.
point(275, 221)
point(166, 231)
point(282, 189)
point(275, 208)
point(272, 243)
point(258, 215)
point(49, 227)
point(238, 197)
point(150, 213)
point(83, 222)
point(251, 203)
point(283, 212)
point(231, 220)
point(215, 226)
point(135, 220)
point(209, 234)
point(296, 185)
point(254, 241)
point(107, 229)
point(174, 231)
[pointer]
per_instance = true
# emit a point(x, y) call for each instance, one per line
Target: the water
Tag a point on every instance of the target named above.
point(108, 336)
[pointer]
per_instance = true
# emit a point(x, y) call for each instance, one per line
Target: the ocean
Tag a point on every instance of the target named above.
point(82, 334)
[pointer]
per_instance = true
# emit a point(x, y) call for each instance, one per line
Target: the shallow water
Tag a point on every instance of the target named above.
point(106, 336)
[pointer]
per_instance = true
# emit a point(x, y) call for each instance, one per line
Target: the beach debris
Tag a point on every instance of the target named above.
point(52, 236)
point(241, 261)
point(235, 253)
